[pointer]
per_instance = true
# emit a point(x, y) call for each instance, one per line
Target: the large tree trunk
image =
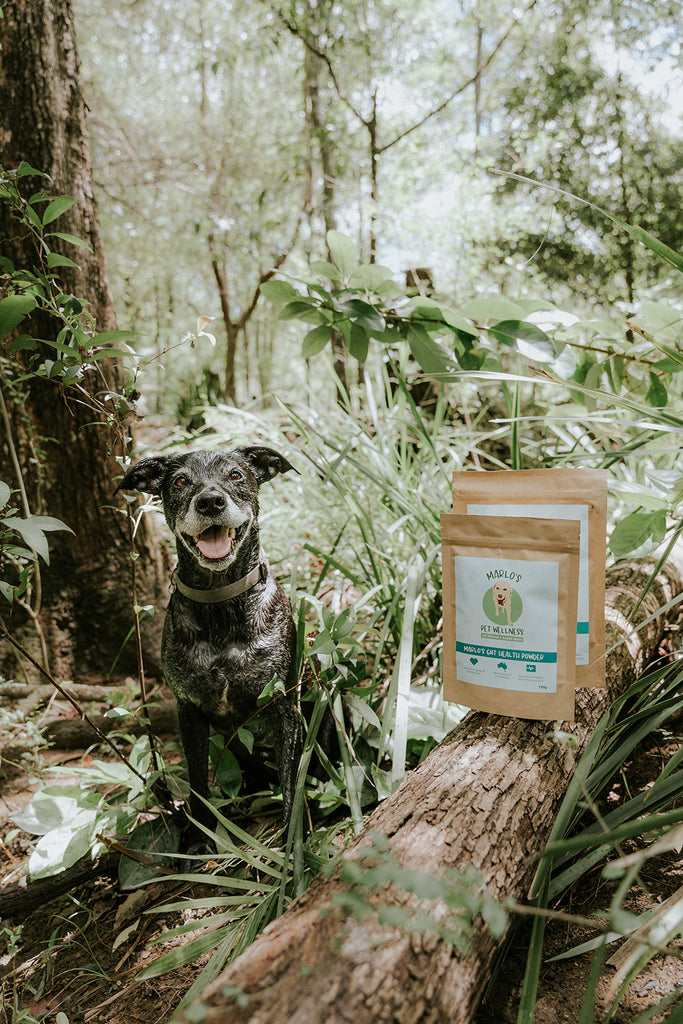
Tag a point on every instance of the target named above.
point(487, 796)
point(65, 453)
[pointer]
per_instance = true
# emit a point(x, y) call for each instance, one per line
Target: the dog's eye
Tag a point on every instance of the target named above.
point(180, 481)
point(235, 474)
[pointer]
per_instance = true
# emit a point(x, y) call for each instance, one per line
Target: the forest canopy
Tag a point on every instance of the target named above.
point(227, 140)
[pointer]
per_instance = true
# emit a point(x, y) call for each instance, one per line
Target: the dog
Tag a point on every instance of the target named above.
point(502, 597)
point(229, 630)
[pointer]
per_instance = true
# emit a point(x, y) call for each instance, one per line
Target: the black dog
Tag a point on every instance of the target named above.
point(229, 629)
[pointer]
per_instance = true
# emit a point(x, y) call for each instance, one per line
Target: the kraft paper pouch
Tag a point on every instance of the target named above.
point(555, 494)
point(510, 589)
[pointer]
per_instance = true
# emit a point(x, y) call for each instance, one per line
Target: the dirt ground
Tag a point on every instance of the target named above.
point(81, 953)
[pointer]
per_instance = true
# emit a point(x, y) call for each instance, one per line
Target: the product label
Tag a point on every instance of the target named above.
point(579, 512)
point(506, 615)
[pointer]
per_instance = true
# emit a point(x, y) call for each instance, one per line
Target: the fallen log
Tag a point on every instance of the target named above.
point(487, 796)
point(75, 734)
point(20, 899)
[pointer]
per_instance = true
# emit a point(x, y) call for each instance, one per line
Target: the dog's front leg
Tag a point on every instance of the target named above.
point(194, 733)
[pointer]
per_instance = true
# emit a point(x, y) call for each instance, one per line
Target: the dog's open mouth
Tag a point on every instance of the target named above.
point(216, 542)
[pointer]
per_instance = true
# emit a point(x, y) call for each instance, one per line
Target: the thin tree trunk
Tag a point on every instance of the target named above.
point(316, 121)
point(487, 796)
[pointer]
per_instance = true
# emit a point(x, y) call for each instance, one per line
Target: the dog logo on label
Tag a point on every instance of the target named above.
point(502, 604)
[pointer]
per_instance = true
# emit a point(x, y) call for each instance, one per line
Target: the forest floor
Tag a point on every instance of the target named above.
point(82, 952)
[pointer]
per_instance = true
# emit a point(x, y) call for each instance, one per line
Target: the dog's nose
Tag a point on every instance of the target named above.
point(210, 503)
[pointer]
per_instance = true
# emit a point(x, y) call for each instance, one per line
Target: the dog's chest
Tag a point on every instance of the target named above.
point(216, 661)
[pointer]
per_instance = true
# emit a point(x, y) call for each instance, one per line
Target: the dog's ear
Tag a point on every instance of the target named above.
point(147, 476)
point(265, 463)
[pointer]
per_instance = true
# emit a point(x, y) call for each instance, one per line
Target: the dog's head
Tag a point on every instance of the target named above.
point(502, 591)
point(210, 499)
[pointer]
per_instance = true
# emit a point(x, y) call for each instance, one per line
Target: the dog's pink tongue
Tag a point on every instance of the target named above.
point(214, 542)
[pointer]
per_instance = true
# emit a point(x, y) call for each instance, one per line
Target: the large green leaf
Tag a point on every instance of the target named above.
point(357, 342)
point(426, 352)
point(14, 309)
point(371, 276)
point(154, 839)
point(33, 530)
point(637, 529)
point(65, 237)
point(63, 846)
point(364, 314)
point(493, 310)
point(55, 260)
point(301, 309)
point(316, 340)
point(52, 808)
point(278, 291)
point(56, 208)
point(343, 251)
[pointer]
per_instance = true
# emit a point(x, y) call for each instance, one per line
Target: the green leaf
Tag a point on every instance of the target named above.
point(363, 709)
point(530, 340)
point(25, 170)
point(364, 314)
point(343, 251)
point(371, 276)
point(53, 807)
point(49, 523)
point(65, 237)
point(246, 737)
point(14, 309)
point(657, 394)
point(55, 260)
point(301, 309)
point(357, 342)
point(278, 291)
point(56, 208)
point(33, 529)
point(324, 269)
point(458, 322)
point(5, 492)
point(182, 955)
point(493, 310)
point(228, 773)
point(316, 340)
point(637, 529)
point(426, 352)
point(63, 846)
point(156, 839)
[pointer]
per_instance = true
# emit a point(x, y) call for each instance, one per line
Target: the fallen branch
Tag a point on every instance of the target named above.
point(19, 900)
point(73, 734)
point(487, 796)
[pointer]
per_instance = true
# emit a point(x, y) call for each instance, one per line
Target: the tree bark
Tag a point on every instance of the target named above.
point(19, 900)
point(65, 452)
point(487, 796)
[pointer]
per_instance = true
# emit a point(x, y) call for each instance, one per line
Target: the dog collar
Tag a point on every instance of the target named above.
point(257, 575)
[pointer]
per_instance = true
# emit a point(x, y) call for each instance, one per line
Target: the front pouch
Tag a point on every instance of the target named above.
point(510, 589)
point(579, 494)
